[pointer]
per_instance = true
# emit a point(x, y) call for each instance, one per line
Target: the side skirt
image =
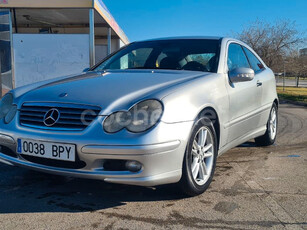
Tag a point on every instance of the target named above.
point(256, 133)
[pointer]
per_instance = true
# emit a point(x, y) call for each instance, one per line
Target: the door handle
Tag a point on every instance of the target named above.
point(259, 83)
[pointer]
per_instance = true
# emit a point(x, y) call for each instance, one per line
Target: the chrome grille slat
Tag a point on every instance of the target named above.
point(71, 113)
point(32, 118)
point(67, 117)
point(68, 122)
point(63, 116)
point(33, 109)
point(32, 115)
point(76, 119)
point(47, 108)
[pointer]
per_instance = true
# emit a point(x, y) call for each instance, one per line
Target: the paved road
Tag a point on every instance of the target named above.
point(254, 188)
point(291, 82)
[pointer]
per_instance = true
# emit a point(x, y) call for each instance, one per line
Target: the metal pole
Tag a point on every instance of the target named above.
point(15, 21)
point(283, 83)
point(109, 41)
point(12, 51)
point(92, 36)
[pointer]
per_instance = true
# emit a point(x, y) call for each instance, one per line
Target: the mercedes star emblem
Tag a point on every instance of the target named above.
point(51, 117)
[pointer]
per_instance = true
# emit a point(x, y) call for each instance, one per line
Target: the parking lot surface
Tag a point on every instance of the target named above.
point(253, 188)
point(291, 82)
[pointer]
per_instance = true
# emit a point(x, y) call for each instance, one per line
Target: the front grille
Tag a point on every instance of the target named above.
point(72, 116)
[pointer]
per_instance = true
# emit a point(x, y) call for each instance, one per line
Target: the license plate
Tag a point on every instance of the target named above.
point(49, 150)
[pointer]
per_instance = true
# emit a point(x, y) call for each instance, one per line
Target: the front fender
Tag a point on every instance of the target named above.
point(188, 101)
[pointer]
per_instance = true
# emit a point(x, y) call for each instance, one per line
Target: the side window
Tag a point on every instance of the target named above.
point(236, 57)
point(254, 61)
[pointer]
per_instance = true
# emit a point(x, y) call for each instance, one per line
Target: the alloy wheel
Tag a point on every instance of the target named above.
point(273, 123)
point(202, 156)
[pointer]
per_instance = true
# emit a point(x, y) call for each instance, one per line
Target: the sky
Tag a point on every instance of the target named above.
point(145, 19)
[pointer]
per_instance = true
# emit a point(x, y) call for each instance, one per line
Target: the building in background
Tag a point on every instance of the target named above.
point(40, 40)
point(303, 52)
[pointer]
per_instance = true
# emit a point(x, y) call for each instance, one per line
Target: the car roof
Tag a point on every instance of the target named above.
point(184, 38)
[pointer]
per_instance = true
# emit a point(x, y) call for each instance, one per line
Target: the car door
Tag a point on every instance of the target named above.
point(244, 97)
point(265, 80)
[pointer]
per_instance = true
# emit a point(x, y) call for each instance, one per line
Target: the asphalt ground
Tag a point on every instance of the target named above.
point(291, 82)
point(253, 188)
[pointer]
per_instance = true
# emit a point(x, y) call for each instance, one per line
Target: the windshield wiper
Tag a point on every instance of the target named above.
point(139, 68)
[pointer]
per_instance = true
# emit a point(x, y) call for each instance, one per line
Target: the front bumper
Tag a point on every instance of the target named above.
point(160, 151)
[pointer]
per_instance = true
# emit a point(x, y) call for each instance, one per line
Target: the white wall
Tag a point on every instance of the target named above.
point(39, 57)
point(101, 48)
point(101, 51)
point(121, 44)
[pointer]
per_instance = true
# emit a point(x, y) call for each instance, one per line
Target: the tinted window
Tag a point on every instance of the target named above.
point(236, 57)
point(253, 60)
point(185, 54)
point(208, 60)
point(134, 59)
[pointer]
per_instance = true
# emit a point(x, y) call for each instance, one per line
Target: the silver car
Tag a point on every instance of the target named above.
point(155, 112)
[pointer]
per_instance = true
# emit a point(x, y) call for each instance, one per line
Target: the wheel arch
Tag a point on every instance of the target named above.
point(211, 113)
point(276, 102)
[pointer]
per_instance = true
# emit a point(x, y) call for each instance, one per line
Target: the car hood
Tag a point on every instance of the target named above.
point(112, 90)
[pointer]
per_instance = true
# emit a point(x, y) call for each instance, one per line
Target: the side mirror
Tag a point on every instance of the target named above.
point(241, 74)
point(85, 70)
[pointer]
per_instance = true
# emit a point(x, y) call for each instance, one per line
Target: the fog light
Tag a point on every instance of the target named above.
point(133, 166)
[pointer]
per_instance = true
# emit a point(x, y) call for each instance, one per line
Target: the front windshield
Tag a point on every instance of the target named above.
point(185, 54)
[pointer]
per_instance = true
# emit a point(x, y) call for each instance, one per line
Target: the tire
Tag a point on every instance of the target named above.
point(192, 182)
point(271, 131)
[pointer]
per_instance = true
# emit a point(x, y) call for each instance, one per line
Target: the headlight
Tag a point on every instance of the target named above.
point(139, 118)
point(145, 115)
point(10, 115)
point(116, 122)
point(6, 104)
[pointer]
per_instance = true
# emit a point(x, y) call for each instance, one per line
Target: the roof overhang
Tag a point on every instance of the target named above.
point(46, 4)
point(98, 5)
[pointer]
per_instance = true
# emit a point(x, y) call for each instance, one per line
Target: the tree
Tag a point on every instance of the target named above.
point(272, 41)
point(296, 65)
